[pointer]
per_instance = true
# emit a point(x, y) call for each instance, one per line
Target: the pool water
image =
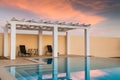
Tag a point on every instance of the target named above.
point(70, 68)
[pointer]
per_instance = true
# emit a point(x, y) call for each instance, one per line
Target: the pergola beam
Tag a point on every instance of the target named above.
point(81, 26)
point(44, 28)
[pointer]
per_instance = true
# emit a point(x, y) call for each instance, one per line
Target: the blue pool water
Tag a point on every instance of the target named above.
point(75, 68)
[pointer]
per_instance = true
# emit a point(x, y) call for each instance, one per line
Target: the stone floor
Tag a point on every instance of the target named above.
point(3, 58)
point(18, 61)
point(25, 61)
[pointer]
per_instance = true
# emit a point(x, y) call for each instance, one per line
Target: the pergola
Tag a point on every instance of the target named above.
point(15, 24)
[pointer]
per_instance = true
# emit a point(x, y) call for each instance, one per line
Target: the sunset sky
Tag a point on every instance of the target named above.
point(104, 15)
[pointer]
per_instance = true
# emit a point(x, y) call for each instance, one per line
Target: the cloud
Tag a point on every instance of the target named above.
point(97, 5)
point(60, 10)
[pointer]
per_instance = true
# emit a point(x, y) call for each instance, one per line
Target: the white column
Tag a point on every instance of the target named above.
point(68, 42)
point(87, 47)
point(40, 42)
point(55, 41)
point(13, 42)
point(5, 42)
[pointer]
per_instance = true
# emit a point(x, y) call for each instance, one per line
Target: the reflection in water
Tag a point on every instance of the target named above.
point(55, 75)
point(82, 75)
point(39, 72)
point(87, 68)
point(12, 70)
point(55, 69)
point(67, 67)
point(49, 61)
point(50, 71)
point(87, 74)
point(61, 76)
point(68, 75)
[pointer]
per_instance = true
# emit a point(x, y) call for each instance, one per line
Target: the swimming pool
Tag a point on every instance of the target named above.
point(75, 68)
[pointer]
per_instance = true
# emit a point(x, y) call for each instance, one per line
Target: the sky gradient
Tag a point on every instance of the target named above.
point(104, 15)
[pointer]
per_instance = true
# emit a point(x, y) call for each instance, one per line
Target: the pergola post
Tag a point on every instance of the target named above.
point(87, 47)
point(5, 41)
point(68, 42)
point(40, 42)
point(55, 41)
point(13, 42)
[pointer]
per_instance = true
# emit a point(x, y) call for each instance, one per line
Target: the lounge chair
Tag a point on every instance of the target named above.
point(23, 51)
point(50, 50)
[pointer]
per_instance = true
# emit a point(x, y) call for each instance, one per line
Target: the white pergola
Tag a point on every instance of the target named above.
point(41, 26)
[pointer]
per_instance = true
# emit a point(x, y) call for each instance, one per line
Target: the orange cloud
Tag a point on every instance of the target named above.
point(54, 10)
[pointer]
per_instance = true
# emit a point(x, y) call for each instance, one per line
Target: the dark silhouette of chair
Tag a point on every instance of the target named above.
point(50, 50)
point(49, 47)
point(23, 51)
